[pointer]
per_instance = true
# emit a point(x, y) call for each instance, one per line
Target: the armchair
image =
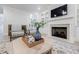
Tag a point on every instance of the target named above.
point(16, 31)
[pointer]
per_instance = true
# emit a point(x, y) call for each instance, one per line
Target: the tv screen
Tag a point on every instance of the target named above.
point(60, 11)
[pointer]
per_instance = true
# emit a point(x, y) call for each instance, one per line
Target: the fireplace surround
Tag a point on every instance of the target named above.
point(60, 30)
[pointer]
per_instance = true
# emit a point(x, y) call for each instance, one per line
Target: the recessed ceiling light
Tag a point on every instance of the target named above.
point(38, 8)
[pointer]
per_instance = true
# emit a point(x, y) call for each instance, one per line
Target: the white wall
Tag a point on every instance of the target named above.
point(1, 24)
point(68, 19)
point(77, 27)
point(14, 16)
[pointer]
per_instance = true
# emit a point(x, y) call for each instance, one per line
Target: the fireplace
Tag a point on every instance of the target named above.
point(60, 32)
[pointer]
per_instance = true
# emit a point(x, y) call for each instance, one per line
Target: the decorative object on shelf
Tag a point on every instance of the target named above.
point(64, 12)
point(37, 35)
point(45, 15)
point(54, 15)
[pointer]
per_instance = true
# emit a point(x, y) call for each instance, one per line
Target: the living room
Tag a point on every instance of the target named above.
point(15, 16)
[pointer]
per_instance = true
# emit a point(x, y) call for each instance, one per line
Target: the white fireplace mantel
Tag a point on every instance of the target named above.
point(62, 25)
point(62, 18)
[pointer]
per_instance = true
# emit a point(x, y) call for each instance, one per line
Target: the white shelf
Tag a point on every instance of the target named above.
point(61, 18)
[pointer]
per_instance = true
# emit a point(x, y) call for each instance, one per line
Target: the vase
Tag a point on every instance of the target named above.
point(37, 35)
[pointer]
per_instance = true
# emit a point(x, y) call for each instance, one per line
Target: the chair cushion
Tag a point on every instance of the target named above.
point(18, 33)
point(16, 28)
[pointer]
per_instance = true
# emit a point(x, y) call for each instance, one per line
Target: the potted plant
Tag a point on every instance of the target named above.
point(38, 25)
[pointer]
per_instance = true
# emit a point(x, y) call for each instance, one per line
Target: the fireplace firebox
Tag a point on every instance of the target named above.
point(59, 32)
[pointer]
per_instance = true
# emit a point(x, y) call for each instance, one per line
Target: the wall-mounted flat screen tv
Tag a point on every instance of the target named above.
point(60, 11)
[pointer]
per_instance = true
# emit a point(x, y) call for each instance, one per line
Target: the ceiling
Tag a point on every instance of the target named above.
point(33, 7)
